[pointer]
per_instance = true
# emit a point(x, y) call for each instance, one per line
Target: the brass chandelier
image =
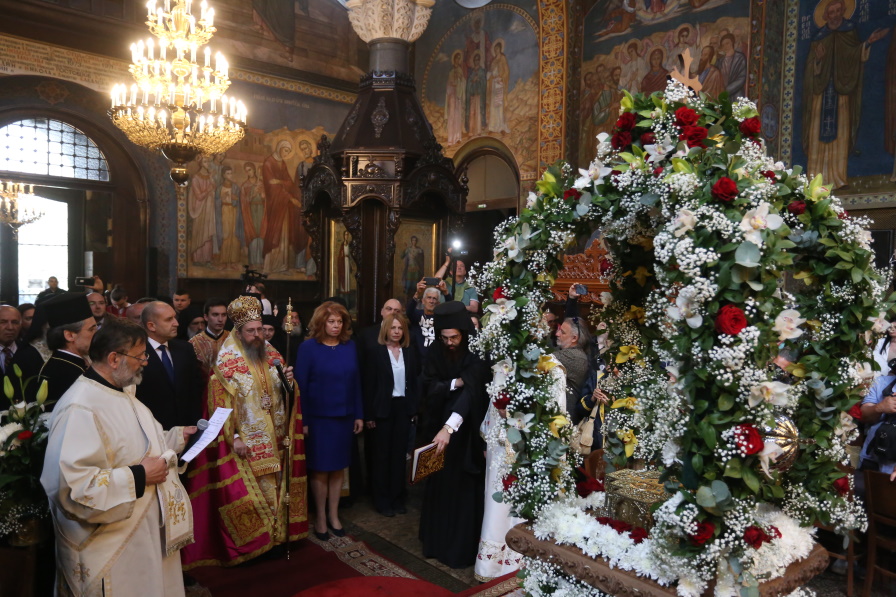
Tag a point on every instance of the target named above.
point(10, 193)
point(175, 105)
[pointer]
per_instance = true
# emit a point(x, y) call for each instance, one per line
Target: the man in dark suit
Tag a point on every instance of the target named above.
point(71, 330)
point(14, 352)
point(172, 383)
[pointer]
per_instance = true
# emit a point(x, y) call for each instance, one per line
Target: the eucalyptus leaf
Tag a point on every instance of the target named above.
point(747, 255)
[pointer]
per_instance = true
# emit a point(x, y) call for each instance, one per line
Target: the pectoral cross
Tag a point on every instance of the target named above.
point(685, 79)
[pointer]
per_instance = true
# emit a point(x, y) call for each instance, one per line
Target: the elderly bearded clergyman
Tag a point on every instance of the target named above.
point(120, 513)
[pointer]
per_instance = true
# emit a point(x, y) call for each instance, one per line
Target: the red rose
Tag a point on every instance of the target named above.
point(725, 190)
point(797, 207)
point(23, 435)
point(498, 294)
point(588, 486)
point(626, 121)
point(856, 411)
point(621, 140)
point(648, 138)
point(573, 194)
point(508, 481)
point(684, 116)
point(638, 534)
point(693, 136)
point(770, 175)
point(748, 439)
point(502, 401)
point(658, 171)
point(604, 519)
point(843, 215)
point(750, 127)
point(620, 526)
point(730, 320)
point(755, 537)
point(705, 532)
point(841, 485)
point(605, 265)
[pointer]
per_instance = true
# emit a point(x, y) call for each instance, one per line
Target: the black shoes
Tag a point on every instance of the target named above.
point(322, 536)
point(336, 532)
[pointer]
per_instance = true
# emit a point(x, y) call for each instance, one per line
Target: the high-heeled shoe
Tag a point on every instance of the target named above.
point(336, 532)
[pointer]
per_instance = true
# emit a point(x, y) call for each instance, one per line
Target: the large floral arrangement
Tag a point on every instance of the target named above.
point(712, 352)
point(23, 442)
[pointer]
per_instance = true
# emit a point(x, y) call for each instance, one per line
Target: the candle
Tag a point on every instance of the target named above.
point(204, 8)
point(150, 9)
point(193, 53)
point(224, 105)
point(171, 90)
point(133, 94)
point(192, 24)
point(145, 96)
point(113, 96)
point(208, 56)
point(218, 61)
point(139, 51)
point(160, 23)
point(163, 50)
point(167, 5)
point(232, 106)
point(186, 97)
point(151, 46)
point(211, 17)
point(189, 6)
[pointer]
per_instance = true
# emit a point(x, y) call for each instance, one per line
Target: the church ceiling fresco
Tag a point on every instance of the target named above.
point(480, 78)
point(634, 44)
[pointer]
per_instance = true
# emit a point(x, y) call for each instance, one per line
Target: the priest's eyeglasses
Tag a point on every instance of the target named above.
point(143, 358)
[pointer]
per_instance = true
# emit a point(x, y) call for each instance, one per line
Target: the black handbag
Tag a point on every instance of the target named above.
point(883, 445)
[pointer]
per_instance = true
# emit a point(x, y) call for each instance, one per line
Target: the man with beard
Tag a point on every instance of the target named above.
point(249, 488)
point(120, 516)
point(455, 403)
point(72, 327)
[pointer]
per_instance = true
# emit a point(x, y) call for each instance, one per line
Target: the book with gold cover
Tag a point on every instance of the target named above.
point(427, 460)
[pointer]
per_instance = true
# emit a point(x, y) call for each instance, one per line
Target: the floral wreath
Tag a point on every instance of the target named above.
point(738, 390)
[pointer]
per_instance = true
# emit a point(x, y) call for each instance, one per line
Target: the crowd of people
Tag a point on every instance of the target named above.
point(127, 383)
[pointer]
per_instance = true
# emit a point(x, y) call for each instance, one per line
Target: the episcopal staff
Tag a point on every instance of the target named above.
point(246, 476)
point(72, 327)
point(107, 473)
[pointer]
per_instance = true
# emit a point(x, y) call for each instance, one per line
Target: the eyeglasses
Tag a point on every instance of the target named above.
point(144, 358)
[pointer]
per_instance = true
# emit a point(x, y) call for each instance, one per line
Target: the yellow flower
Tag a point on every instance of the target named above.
point(641, 275)
point(814, 325)
point(628, 403)
point(556, 423)
point(635, 313)
point(628, 438)
point(42, 392)
point(806, 276)
point(797, 370)
point(545, 363)
point(555, 474)
point(627, 353)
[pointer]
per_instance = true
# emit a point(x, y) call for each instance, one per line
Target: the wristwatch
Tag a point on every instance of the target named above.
point(448, 428)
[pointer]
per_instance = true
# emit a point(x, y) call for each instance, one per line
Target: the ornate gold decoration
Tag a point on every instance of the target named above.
point(244, 309)
point(396, 19)
point(177, 106)
point(631, 494)
point(787, 436)
point(553, 51)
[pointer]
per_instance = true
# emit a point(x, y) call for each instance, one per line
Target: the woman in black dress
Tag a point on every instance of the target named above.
point(391, 393)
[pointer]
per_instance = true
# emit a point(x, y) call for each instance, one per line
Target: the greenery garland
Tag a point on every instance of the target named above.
point(711, 352)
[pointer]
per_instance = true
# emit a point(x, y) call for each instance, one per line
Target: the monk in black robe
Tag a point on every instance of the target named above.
point(454, 405)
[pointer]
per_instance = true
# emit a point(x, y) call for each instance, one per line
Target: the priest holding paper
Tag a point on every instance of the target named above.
point(249, 487)
point(119, 511)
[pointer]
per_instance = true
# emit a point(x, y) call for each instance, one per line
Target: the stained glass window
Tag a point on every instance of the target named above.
point(50, 147)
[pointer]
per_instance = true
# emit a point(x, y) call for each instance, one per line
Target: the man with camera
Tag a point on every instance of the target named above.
point(878, 408)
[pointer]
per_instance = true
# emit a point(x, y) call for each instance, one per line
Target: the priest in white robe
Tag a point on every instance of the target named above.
point(119, 511)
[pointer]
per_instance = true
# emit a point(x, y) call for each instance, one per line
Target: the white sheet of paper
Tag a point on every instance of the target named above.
point(215, 424)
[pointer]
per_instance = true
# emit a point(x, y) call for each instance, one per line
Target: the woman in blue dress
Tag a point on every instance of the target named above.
point(330, 385)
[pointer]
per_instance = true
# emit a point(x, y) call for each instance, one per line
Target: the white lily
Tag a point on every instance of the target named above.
point(595, 174)
point(771, 392)
point(584, 204)
point(530, 200)
point(684, 222)
point(758, 219)
point(503, 371)
point(880, 323)
point(770, 453)
point(787, 325)
point(606, 299)
point(847, 425)
point(659, 150)
point(503, 309)
point(686, 308)
point(521, 421)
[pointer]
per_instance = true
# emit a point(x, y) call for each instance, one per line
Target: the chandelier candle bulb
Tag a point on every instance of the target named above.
point(167, 6)
point(208, 57)
point(150, 9)
point(211, 17)
point(151, 46)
